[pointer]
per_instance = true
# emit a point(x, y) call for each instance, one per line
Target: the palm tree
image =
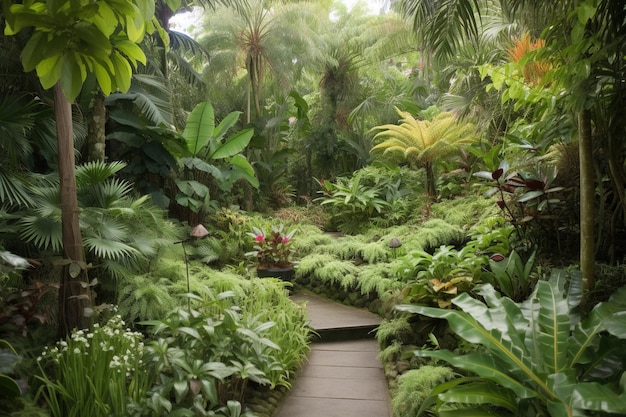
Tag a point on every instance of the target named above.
point(264, 43)
point(421, 143)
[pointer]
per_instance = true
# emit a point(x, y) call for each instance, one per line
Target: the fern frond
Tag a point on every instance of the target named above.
point(337, 272)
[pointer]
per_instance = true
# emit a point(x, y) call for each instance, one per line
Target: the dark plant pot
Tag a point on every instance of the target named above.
point(285, 274)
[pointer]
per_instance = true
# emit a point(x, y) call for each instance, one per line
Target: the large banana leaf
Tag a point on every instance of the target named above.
point(233, 145)
point(243, 169)
point(535, 351)
point(200, 126)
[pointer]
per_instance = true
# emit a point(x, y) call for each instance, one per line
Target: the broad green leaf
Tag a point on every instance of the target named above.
point(199, 164)
point(103, 19)
point(181, 388)
point(74, 270)
point(200, 127)
point(132, 51)
point(470, 412)
point(233, 145)
point(597, 397)
point(584, 340)
point(530, 196)
point(122, 72)
point(33, 51)
point(554, 326)
point(481, 392)
point(488, 367)
point(49, 70)
point(244, 170)
point(228, 122)
point(104, 79)
point(73, 75)
point(616, 324)
point(135, 27)
point(9, 387)
point(190, 331)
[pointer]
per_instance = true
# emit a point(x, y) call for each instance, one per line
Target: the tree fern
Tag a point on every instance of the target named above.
point(423, 142)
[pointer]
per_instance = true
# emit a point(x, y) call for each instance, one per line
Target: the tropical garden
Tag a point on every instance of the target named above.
point(455, 166)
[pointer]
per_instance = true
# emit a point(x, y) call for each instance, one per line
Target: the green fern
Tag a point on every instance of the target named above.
point(466, 211)
point(310, 264)
point(328, 270)
point(144, 297)
point(378, 278)
point(392, 330)
point(415, 386)
point(436, 232)
point(346, 248)
point(375, 252)
point(391, 353)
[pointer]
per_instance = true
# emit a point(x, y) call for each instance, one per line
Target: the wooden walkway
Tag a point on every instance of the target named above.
point(343, 376)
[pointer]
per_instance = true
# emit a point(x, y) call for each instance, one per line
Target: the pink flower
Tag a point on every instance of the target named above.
point(259, 238)
point(286, 239)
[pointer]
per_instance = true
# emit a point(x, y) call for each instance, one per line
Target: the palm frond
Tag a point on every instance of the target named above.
point(14, 189)
point(96, 172)
point(108, 249)
point(44, 232)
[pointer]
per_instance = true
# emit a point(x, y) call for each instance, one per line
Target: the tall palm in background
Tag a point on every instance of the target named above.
point(258, 48)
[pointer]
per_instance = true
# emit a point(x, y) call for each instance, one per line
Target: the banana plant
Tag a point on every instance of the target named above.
point(212, 157)
point(533, 358)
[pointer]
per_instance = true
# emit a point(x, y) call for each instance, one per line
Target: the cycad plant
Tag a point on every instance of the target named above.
point(421, 143)
point(536, 358)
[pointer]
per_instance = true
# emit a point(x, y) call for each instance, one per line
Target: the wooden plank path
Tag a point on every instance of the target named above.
point(343, 376)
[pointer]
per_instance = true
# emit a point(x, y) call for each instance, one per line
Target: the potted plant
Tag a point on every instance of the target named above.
point(272, 252)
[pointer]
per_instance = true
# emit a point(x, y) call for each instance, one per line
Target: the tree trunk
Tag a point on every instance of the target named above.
point(431, 190)
point(587, 200)
point(96, 129)
point(73, 295)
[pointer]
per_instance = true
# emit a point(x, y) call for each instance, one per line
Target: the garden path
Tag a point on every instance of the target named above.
point(343, 376)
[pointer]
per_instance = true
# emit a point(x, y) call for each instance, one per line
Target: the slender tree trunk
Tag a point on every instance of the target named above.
point(96, 129)
point(73, 296)
point(587, 200)
point(430, 180)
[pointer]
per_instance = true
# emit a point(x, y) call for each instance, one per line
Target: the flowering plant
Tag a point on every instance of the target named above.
point(272, 250)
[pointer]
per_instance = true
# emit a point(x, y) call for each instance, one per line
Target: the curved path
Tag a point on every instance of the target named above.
point(343, 377)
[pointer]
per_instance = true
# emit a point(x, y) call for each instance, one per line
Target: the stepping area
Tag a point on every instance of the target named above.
point(343, 376)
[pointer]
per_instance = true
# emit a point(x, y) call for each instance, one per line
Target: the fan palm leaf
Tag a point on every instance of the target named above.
point(14, 189)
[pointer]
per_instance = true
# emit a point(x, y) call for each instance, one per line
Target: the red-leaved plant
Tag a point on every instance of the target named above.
point(272, 249)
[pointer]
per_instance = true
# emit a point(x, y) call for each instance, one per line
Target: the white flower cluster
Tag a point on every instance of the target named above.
point(111, 346)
